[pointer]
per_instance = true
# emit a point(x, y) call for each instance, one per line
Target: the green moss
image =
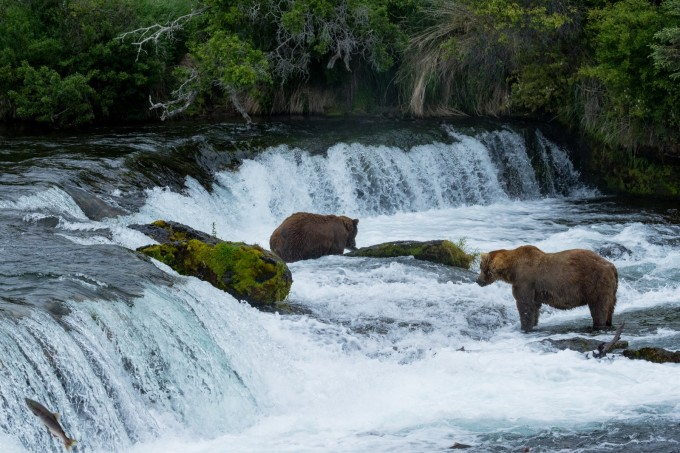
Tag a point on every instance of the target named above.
point(644, 178)
point(247, 272)
point(442, 252)
point(162, 252)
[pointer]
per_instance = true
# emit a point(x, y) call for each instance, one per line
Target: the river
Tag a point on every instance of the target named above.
point(381, 355)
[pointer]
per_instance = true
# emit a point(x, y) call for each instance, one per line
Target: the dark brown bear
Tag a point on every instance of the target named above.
point(305, 236)
point(567, 279)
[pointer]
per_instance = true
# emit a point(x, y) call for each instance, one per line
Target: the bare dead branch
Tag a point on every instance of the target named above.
point(290, 57)
point(604, 348)
point(183, 97)
point(233, 97)
point(154, 33)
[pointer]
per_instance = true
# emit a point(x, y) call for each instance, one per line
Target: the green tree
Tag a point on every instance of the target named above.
point(666, 54)
point(253, 52)
point(627, 101)
point(232, 65)
point(47, 97)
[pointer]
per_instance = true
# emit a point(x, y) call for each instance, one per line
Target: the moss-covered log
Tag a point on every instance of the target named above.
point(439, 251)
point(656, 355)
point(247, 272)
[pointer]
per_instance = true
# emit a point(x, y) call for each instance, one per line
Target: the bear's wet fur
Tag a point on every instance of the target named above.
point(304, 236)
point(564, 280)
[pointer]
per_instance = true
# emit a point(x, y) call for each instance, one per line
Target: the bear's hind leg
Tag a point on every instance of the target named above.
point(610, 313)
point(602, 317)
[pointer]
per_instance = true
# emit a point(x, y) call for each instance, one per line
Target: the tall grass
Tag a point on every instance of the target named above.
point(457, 65)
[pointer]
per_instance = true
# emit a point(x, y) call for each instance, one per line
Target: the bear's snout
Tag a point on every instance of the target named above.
point(482, 282)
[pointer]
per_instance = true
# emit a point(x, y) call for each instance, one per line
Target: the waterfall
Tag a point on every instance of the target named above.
point(360, 179)
point(113, 368)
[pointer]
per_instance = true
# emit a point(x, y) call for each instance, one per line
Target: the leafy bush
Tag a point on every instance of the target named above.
point(297, 35)
point(47, 97)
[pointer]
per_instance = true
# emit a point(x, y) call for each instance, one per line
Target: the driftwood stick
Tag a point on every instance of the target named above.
point(604, 348)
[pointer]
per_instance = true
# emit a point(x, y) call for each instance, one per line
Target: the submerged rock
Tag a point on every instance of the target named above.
point(614, 251)
point(247, 272)
point(656, 355)
point(440, 251)
point(93, 207)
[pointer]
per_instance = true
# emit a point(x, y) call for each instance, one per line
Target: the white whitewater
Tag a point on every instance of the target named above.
point(376, 365)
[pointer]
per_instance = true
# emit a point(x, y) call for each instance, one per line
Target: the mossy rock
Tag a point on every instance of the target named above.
point(656, 355)
point(247, 272)
point(440, 251)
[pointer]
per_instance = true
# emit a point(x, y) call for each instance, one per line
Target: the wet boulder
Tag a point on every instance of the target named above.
point(656, 355)
point(247, 272)
point(438, 251)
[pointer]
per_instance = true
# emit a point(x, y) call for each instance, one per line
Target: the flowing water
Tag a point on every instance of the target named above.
point(382, 355)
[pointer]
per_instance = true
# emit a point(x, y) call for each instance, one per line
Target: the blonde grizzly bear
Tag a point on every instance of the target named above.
point(567, 279)
point(305, 236)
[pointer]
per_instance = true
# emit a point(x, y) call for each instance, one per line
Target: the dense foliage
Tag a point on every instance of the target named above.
point(60, 61)
point(609, 68)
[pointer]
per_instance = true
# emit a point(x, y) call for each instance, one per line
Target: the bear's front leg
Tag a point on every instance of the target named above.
point(526, 306)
